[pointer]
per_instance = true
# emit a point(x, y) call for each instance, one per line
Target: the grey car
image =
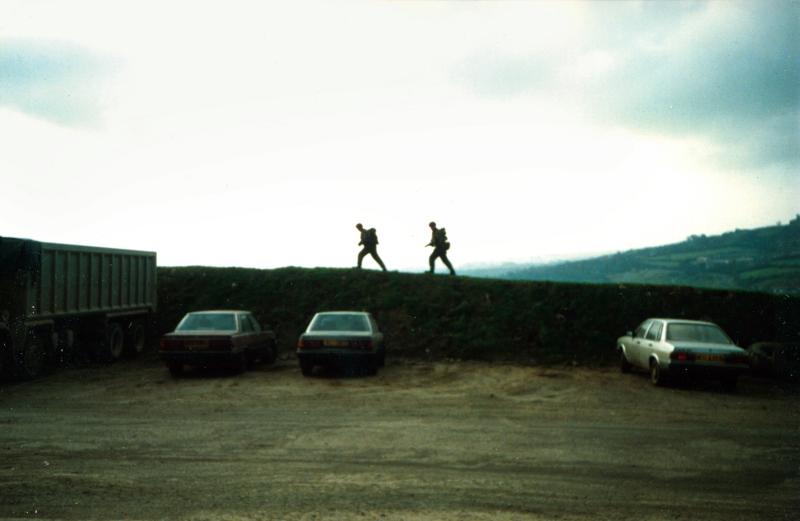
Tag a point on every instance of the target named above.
point(343, 340)
point(217, 337)
point(671, 347)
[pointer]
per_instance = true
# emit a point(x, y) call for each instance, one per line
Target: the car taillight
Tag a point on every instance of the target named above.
point(169, 343)
point(681, 356)
point(308, 344)
point(220, 343)
point(737, 359)
point(366, 345)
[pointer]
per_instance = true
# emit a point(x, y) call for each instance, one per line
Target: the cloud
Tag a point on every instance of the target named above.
point(728, 72)
point(55, 81)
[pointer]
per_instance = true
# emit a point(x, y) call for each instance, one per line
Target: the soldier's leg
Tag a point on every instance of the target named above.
point(377, 258)
point(361, 255)
point(432, 259)
point(446, 261)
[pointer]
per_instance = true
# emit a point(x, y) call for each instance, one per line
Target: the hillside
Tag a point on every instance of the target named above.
point(437, 317)
point(762, 259)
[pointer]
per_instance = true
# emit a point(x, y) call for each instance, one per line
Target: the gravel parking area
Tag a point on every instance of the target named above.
point(420, 441)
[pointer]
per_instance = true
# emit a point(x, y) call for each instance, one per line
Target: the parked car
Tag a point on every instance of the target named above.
point(341, 339)
point(669, 347)
point(779, 360)
point(218, 337)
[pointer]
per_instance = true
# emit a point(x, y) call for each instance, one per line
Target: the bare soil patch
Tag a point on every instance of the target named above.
point(420, 441)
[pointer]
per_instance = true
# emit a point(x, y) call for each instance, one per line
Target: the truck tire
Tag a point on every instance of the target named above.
point(5, 355)
point(135, 339)
point(112, 345)
point(31, 360)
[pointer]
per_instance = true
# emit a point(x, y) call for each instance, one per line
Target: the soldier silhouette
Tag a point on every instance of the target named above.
point(440, 247)
point(369, 241)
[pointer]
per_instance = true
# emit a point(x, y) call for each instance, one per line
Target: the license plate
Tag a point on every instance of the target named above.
point(335, 343)
point(709, 358)
point(196, 344)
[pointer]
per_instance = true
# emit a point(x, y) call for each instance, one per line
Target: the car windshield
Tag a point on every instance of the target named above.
point(208, 322)
point(339, 322)
point(706, 333)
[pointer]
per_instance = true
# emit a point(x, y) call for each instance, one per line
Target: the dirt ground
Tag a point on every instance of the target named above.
point(420, 441)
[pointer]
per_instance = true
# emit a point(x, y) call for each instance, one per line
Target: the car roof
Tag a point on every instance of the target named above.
point(682, 320)
point(217, 311)
point(342, 313)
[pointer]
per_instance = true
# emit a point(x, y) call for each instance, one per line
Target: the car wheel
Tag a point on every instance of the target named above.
point(240, 363)
point(270, 354)
point(175, 369)
point(656, 374)
point(624, 365)
point(729, 383)
point(306, 367)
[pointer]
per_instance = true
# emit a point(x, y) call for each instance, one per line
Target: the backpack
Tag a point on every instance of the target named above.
point(371, 237)
point(441, 238)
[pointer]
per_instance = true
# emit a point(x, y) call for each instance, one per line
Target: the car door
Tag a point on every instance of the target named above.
point(247, 332)
point(636, 346)
point(377, 336)
point(652, 343)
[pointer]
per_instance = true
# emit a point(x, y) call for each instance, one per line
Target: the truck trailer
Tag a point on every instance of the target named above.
point(59, 302)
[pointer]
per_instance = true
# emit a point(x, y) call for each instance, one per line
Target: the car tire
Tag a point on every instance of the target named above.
point(657, 376)
point(624, 365)
point(306, 367)
point(270, 354)
point(175, 369)
point(240, 363)
point(372, 365)
point(729, 383)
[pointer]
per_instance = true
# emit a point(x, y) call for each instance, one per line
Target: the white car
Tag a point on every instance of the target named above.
point(673, 347)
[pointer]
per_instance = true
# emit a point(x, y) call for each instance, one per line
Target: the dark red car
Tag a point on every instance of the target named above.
point(221, 337)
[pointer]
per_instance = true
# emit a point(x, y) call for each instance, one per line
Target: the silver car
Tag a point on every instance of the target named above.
point(341, 339)
point(671, 347)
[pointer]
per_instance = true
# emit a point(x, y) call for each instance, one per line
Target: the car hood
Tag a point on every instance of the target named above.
point(701, 347)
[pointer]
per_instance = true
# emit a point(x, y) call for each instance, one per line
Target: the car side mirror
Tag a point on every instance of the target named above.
point(629, 333)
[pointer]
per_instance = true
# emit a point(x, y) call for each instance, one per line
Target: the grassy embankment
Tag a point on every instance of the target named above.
point(469, 318)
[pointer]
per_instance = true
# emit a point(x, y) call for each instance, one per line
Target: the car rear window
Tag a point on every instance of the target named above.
point(338, 322)
point(208, 322)
point(706, 333)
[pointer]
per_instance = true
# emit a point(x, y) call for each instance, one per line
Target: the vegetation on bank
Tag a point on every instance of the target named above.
point(437, 316)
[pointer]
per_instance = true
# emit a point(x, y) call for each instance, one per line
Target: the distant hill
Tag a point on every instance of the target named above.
point(761, 259)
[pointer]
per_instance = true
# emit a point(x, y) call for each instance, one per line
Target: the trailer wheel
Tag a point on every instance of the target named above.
point(113, 344)
point(31, 360)
point(4, 354)
point(136, 339)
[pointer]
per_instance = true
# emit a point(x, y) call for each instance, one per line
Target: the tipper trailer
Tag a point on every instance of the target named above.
point(59, 301)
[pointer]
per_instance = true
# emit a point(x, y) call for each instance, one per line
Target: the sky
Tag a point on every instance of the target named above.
point(257, 134)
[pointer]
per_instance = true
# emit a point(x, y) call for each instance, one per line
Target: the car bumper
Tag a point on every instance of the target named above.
point(335, 357)
point(707, 370)
point(199, 358)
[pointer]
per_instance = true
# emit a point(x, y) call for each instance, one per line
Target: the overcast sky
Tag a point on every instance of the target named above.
point(252, 133)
